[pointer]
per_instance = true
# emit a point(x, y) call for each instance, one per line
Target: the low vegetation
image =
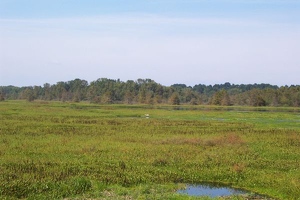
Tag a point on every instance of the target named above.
point(55, 150)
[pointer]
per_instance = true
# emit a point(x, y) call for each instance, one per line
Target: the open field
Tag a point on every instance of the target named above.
point(54, 150)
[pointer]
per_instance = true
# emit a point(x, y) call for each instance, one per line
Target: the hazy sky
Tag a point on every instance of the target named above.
point(169, 41)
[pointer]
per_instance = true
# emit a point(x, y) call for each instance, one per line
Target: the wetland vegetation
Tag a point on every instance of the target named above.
point(57, 150)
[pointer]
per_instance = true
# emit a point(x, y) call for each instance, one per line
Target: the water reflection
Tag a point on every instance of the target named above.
point(205, 190)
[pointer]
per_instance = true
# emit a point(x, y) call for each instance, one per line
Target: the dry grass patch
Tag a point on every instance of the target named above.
point(229, 139)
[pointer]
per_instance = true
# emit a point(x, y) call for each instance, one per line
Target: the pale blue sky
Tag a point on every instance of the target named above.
point(169, 41)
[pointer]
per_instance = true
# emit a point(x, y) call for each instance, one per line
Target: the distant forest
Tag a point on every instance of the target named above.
point(147, 91)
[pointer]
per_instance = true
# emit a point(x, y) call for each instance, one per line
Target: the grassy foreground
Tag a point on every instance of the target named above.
point(53, 150)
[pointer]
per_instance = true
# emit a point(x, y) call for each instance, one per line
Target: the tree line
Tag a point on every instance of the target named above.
point(147, 91)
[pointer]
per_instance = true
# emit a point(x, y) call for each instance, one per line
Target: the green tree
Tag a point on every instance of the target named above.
point(78, 89)
point(142, 95)
point(128, 97)
point(1, 97)
point(107, 98)
point(221, 98)
point(47, 92)
point(217, 98)
point(225, 99)
point(149, 98)
point(174, 99)
point(29, 94)
point(256, 98)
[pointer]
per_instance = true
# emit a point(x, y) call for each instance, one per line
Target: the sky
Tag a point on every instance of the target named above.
point(169, 41)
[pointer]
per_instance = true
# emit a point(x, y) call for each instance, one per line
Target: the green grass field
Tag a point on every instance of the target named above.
point(54, 150)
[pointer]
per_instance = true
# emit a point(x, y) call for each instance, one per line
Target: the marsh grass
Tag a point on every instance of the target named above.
point(54, 150)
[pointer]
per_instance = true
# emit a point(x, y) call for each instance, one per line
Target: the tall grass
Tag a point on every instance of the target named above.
point(53, 150)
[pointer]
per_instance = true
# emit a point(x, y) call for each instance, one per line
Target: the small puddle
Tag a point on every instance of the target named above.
point(211, 191)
